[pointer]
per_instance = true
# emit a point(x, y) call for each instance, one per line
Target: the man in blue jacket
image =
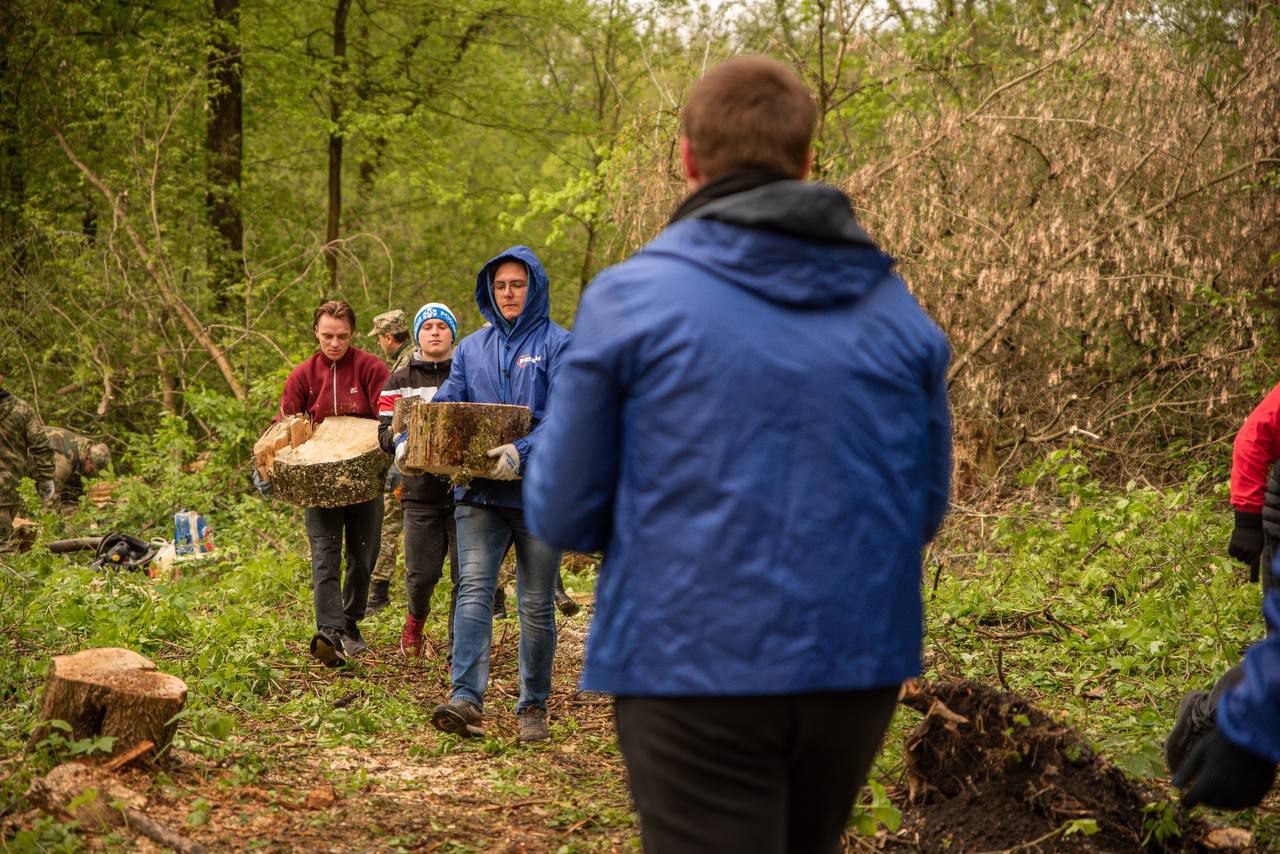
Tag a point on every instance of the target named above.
point(754, 414)
point(515, 359)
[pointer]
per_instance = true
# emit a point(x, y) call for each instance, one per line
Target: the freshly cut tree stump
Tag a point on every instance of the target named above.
point(288, 432)
point(339, 464)
point(450, 439)
point(112, 691)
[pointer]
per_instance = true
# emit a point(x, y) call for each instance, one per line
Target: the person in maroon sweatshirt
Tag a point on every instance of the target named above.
point(338, 380)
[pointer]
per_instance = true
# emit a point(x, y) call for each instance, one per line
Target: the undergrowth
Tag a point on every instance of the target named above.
point(1103, 603)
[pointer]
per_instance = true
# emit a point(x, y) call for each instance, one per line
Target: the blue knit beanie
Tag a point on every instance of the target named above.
point(435, 311)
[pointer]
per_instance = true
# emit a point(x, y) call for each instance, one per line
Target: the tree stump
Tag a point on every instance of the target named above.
point(450, 439)
point(115, 692)
point(288, 432)
point(339, 464)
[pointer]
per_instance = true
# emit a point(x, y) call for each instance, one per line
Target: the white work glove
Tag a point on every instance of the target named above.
point(262, 484)
point(401, 441)
point(506, 464)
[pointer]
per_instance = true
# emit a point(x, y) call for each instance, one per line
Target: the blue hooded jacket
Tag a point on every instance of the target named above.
point(1249, 712)
point(752, 422)
point(505, 363)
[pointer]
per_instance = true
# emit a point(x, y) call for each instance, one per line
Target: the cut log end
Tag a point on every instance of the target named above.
point(112, 692)
point(450, 439)
point(337, 465)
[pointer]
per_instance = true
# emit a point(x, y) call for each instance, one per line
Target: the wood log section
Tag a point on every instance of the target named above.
point(339, 464)
point(100, 802)
point(450, 439)
point(288, 432)
point(115, 692)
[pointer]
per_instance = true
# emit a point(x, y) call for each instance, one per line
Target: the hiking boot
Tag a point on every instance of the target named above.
point(1195, 719)
point(411, 637)
point(353, 643)
point(379, 597)
point(566, 605)
point(326, 646)
point(459, 717)
point(533, 725)
point(499, 603)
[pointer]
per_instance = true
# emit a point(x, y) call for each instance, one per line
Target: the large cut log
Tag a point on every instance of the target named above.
point(450, 439)
point(339, 464)
point(288, 432)
point(115, 692)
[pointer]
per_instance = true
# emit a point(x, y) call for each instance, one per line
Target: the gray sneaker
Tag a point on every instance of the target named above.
point(533, 725)
point(460, 718)
point(352, 643)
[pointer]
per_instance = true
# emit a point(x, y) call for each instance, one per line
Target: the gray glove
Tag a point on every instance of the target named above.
point(263, 485)
point(506, 464)
point(45, 490)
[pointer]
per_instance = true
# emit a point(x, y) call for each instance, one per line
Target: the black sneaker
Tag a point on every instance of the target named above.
point(326, 646)
point(499, 603)
point(459, 717)
point(379, 597)
point(566, 605)
point(352, 643)
point(1195, 719)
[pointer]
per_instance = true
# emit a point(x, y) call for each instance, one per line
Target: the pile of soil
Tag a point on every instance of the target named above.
point(988, 771)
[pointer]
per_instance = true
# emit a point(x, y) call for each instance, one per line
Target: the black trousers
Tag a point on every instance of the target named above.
point(749, 774)
point(340, 604)
point(430, 535)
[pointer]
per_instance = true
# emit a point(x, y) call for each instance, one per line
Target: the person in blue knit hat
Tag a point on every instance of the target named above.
point(429, 529)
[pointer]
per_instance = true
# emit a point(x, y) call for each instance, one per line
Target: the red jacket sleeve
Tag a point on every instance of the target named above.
point(293, 399)
point(374, 378)
point(1257, 446)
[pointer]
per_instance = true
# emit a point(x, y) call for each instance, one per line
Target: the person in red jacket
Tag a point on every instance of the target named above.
point(338, 380)
point(1256, 448)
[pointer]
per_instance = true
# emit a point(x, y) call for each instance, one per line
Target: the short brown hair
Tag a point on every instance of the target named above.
point(337, 308)
point(749, 111)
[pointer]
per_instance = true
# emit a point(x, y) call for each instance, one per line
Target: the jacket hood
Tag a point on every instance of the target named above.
point(537, 303)
point(790, 242)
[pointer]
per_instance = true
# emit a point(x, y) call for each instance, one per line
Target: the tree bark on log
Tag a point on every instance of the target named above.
point(114, 692)
point(338, 465)
point(450, 439)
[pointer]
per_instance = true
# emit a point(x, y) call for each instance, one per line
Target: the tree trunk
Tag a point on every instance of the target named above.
point(13, 188)
point(450, 439)
point(335, 138)
point(115, 692)
point(224, 144)
point(339, 465)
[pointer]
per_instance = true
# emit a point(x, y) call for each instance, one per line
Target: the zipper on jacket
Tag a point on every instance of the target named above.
point(334, 367)
point(506, 372)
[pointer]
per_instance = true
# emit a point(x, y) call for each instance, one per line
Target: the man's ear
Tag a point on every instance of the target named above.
point(692, 171)
point(808, 166)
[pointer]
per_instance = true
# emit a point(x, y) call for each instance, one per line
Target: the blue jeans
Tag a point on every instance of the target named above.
point(483, 536)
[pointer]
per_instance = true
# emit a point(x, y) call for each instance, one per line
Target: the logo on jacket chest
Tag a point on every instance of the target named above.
point(353, 390)
point(526, 360)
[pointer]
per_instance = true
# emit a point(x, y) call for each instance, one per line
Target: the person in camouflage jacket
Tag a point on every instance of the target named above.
point(75, 457)
point(392, 335)
point(23, 448)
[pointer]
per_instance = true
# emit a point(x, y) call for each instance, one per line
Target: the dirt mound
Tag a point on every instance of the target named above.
point(987, 771)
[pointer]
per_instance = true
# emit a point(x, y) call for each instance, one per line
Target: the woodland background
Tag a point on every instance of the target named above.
point(1085, 195)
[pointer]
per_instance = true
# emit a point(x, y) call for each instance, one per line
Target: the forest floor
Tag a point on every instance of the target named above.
point(1098, 606)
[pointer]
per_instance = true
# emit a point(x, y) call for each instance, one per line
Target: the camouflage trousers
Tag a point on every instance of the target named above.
point(392, 529)
point(12, 540)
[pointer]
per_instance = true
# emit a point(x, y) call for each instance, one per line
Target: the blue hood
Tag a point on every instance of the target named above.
point(537, 304)
point(750, 240)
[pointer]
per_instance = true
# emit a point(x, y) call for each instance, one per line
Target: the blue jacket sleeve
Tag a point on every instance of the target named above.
point(454, 389)
point(1249, 713)
point(939, 490)
point(554, 354)
point(570, 485)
